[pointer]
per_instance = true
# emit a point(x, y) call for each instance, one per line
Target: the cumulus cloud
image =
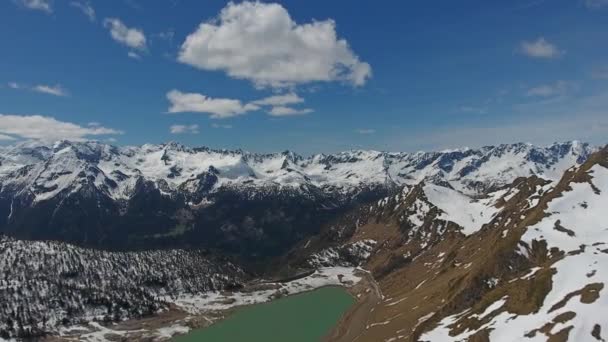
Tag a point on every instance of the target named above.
point(365, 131)
point(288, 111)
point(133, 55)
point(184, 129)
point(279, 100)
point(556, 89)
point(4, 137)
point(539, 48)
point(260, 42)
point(86, 8)
point(279, 104)
point(219, 108)
point(133, 38)
point(56, 90)
point(47, 128)
point(38, 5)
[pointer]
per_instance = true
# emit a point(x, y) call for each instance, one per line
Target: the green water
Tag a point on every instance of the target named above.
point(304, 317)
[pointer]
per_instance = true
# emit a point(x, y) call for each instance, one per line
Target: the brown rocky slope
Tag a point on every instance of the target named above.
point(521, 263)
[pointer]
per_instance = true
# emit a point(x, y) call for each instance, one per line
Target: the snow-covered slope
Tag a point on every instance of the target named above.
point(465, 236)
point(45, 171)
point(469, 213)
point(525, 262)
point(570, 280)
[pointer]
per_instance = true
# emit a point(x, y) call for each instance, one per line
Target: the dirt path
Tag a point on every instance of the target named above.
point(352, 325)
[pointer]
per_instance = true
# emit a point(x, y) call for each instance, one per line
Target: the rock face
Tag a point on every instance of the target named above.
point(98, 195)
point(523, 262)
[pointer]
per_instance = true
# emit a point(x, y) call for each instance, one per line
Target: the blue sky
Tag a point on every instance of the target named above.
point(310, 76)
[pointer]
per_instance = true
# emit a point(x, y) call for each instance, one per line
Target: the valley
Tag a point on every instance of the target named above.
point(306, 171)
point(464, 244)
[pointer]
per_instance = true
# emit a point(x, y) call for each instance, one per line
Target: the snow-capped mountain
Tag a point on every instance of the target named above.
point(453, 239)
point(46, 171)
point(101, 195)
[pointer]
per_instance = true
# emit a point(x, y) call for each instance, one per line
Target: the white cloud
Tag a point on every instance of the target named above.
point(182, 129)
point(38, 5)
point(556, 89)
point(48, 128)
point(218, 108)
point(4, 137)
point(288, 111)
point(279, 104)
point(55, 90)
point(133, 55)
point(279, 100)
point(86, 8)
point(365, 131)
point(260, 42)
point(131, 37)
point(539, 48)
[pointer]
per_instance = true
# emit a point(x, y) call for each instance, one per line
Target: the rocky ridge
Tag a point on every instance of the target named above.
point(519, 263)
point(153, 196)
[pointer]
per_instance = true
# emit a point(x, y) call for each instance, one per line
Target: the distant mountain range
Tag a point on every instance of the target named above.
point(46, 171)
point(99, 195)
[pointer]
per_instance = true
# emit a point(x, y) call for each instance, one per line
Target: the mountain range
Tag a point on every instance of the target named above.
point(98, 195)
point(498, 243)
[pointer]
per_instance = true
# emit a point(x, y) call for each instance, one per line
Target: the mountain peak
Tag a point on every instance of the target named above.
point(466, 170)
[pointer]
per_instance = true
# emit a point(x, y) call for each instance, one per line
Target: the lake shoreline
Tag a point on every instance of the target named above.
point(193, 312)
point(311, 313)
point(367, 296)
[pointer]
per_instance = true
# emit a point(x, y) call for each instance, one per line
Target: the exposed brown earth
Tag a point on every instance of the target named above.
point(439, 279)
point(351, 325)
point(455, 273)
point(588, 294)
